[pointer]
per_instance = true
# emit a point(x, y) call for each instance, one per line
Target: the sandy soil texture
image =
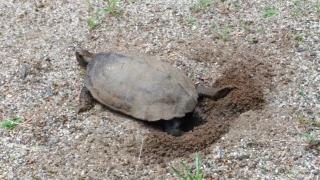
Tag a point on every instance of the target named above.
point(267, 128)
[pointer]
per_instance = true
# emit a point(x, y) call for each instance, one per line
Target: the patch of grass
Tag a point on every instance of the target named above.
point(19, 35)
point(304, 121)
point(297, 3)
point(10, 123)
point(236, 3)
point(301, 93)
point(296, 13)
point(91, 22)
point(268, 12)
point(190, 21)
point(111, 8)
point(12, 158)
point(205, 3)
point(224, 33)
point(307, 122)
point(200, 5)
point(310, 137)
point(253, 41)
point(298, 37)
point(317, 6)
point(245, 27)
point(197, 175)
point(73, 39)
point(213, 26)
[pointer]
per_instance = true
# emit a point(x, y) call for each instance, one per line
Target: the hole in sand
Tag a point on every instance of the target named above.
point(249, 76)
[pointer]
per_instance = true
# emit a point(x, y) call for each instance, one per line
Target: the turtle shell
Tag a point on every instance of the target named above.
point(140, 86)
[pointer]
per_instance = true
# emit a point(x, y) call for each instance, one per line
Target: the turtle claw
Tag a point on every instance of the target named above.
point(83, 108)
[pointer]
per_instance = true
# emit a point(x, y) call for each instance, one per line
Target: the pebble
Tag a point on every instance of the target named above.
point(23, 71)
point(313, 53)
point(316, 38)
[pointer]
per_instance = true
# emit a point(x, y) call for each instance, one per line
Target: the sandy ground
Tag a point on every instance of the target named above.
point(268, 128)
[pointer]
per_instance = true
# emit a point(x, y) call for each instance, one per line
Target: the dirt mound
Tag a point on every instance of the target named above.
point(250, 76)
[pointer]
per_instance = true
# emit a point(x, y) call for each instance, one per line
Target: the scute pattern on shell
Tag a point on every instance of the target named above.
point(140, 86)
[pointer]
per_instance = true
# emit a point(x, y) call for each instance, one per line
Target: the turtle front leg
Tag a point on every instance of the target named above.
point(86, 101)
point(215, 93)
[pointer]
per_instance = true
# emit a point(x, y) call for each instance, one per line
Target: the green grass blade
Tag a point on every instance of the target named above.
point(91, 22)
point(197, 164)
point(178, 173)
point(198, 174)
point(101, 11)
point(188, 171)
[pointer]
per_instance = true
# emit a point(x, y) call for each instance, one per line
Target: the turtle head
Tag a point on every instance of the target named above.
point(83, 57)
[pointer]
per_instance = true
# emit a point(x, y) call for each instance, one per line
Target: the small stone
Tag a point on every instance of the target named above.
point(23, 71)
point(313, 53)
point(162, 165)
point(49, 92)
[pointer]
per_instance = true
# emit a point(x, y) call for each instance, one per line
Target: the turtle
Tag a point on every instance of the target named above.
point(141, 86)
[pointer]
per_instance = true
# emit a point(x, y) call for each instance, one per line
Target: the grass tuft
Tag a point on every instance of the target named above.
point(307, 122)
point(200, 5)
point(91, 22)
point(310, 137)
point(268, 12)
point(236, 3)
point(111, 8)
point(301, 93)
point(10, 123)
point(197, 175)
point(298, 37)
point(191, 21)
point(224, 32)
point(317, 6)
point(296, 12)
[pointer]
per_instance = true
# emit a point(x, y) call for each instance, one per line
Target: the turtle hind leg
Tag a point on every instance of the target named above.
point(173, 127)
point(86, 101)
point(215, 93)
